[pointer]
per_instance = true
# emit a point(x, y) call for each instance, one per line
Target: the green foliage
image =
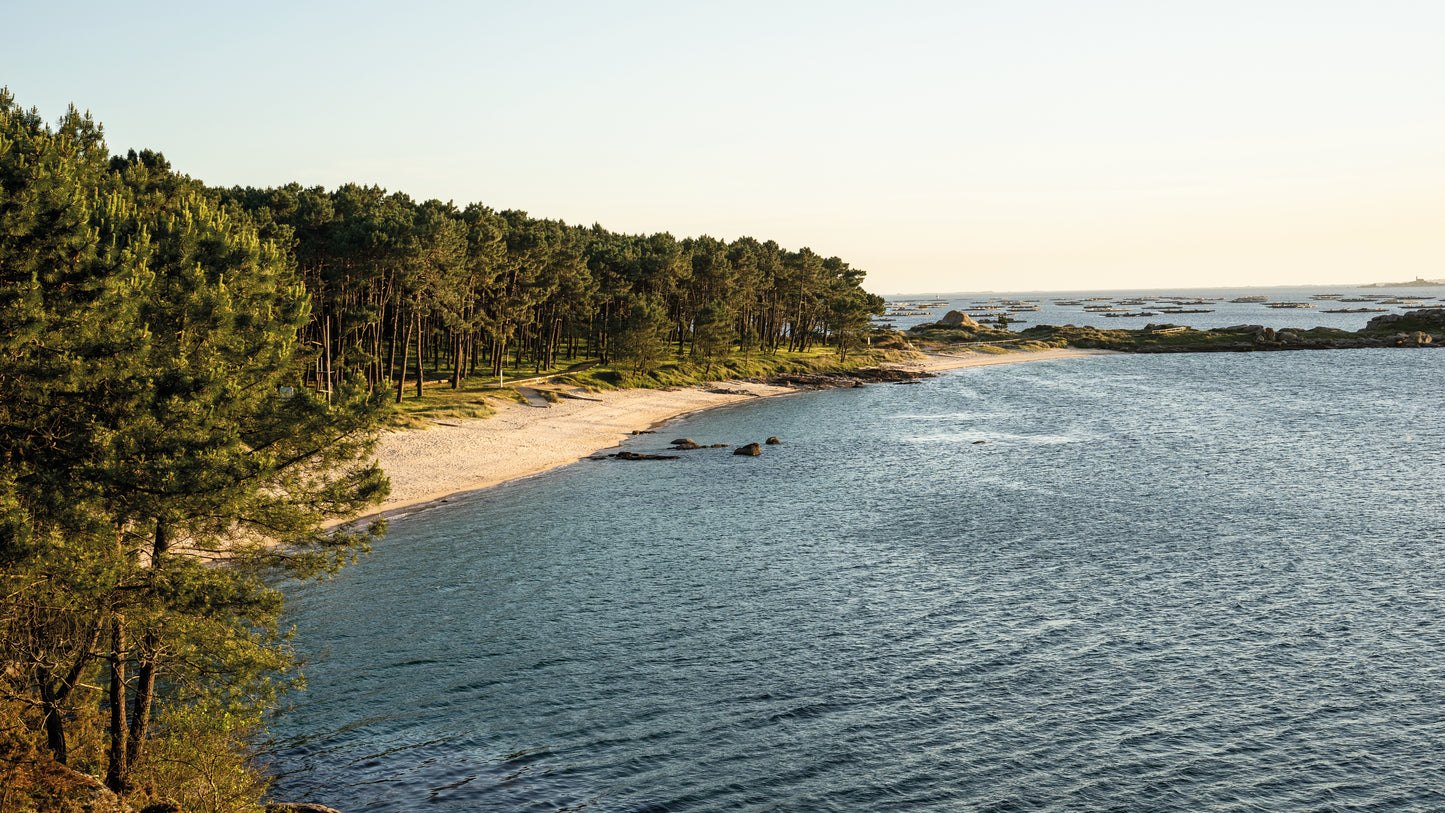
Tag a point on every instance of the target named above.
point(191, 382)
point(713, 335)
point(641, 334)
point(154, 429)
point(201, 757)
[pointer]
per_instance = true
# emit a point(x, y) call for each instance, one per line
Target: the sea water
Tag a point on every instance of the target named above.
point(1297, 307)
point(1132, 583)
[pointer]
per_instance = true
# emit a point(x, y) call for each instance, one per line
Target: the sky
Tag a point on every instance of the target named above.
point(1014, 145)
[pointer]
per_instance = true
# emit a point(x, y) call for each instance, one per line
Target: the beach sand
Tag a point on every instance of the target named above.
point(427, 466)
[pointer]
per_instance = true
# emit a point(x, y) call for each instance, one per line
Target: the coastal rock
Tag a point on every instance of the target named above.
point(774, 442)
point(752, 449)
point(1414, 338)
point(852, 378)
point(639, 456)
point(720, 446)
point(683, 442)
point(685, 445)
point(78, 791)
point(958, 319)
point(1430, 318)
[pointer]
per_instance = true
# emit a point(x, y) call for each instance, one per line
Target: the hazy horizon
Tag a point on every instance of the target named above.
point(1029, 146)
point(1384, 285)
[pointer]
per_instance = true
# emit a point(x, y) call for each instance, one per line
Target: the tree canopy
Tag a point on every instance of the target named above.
point(160, 453)
point(192, 380)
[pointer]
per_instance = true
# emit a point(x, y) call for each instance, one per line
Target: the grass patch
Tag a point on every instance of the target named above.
point(479, 396)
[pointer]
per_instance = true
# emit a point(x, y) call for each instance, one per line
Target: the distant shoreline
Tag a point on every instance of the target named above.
point(429, 467)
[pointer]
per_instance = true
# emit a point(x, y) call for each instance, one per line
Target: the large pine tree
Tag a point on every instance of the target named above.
point(154, 427)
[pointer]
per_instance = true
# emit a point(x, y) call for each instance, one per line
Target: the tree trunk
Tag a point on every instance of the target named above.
point(405, 347)
point(54, 720)
point(150, 660)
point(419, 370)
point(458, 342)
point(326, 340)
point(395, 331)
point(117, 771)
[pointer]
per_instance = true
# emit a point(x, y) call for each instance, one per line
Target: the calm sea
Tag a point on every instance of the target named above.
point(1133, 583)
point(1276, 307)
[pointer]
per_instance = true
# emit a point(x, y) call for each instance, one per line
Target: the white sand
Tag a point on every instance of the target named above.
point(428, 465)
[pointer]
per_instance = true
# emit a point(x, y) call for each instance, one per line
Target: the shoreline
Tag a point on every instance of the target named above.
point(429, 467)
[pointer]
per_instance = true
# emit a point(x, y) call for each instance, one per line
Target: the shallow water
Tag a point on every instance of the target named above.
point(1160, 583)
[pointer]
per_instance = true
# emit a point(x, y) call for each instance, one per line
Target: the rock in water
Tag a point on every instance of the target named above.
point(753, 449)
point(685, 445)
point(774, 442)
point(636, 456)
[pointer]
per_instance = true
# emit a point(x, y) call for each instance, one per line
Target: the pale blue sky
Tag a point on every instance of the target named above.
point(959, 146)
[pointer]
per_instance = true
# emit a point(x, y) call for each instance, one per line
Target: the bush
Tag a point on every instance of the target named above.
point(201, 759)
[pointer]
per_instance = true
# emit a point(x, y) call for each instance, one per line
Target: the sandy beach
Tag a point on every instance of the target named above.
point(427, 466)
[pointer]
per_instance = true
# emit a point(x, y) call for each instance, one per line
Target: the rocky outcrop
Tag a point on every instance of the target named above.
point(773, 442)
point(640, 456)
point(958, 319)
point(73, 790)
point(752, 449)
point(1426, 319)
point(685, 445)
point(852, 378)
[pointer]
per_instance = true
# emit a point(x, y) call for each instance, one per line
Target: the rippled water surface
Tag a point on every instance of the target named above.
point(1159, 583)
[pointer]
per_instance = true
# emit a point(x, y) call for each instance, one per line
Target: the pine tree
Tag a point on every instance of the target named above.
point(713, 334)
point(640, 337)
point(154, 427)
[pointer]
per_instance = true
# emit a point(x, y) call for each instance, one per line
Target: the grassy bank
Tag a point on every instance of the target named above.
point(478, 397)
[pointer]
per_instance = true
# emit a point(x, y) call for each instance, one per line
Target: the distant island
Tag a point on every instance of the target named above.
point(1418, 282)
point(1418, 328)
